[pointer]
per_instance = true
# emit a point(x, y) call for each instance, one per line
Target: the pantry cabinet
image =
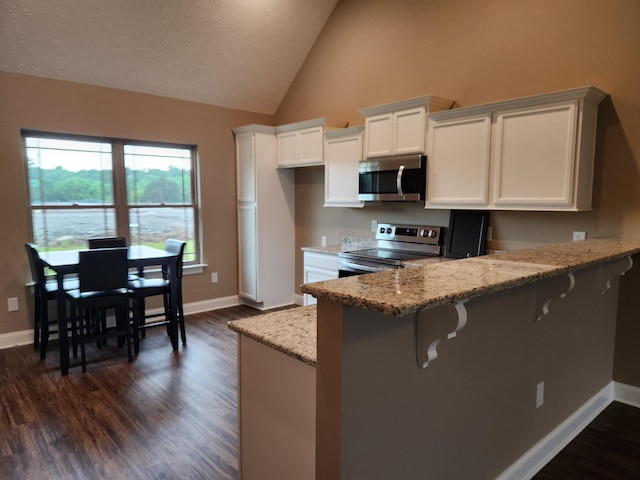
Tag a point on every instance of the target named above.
point(343, 152)
point(301, 144)
point(399, 128)
point(266, 214)
point(532, 153)
point(318, 267)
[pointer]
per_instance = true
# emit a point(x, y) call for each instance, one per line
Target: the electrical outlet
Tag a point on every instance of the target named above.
point(539, 394)
point(374, 225)
point(579, 236)
point(214, 277)
point(323, 239)
point(12, 304)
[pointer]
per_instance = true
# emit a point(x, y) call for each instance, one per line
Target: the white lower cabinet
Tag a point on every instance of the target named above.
point(318, 267)
point(342, 155)
point(532, 153)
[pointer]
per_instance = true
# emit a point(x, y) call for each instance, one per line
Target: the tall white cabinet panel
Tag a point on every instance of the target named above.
point(540, 157)
point(458, 162)
point(266, 213)
point(534, 152)
point(343, 152)
point(399, 128)
point(247, 252)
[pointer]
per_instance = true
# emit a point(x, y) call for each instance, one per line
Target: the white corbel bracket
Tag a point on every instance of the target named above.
point(429, 334)
point(551, 289)
point(611, 270)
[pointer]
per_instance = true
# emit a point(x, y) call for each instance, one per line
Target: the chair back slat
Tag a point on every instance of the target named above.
point(107, 242)
point(103, 269)
point(175, 247)
point(36, 265)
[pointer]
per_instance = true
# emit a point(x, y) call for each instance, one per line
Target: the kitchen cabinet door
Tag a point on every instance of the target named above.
point(534, 156)
point(343, 152)
point(288, 148)
point(409, 131)
point(248, 252)
point(379, 135)
point(458, 157)
point(311, 148)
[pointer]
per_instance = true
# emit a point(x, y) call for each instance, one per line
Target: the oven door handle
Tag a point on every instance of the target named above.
point(361, 267)
point(399, 180)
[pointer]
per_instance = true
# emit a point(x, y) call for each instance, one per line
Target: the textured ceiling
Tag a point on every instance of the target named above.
point(240, 54)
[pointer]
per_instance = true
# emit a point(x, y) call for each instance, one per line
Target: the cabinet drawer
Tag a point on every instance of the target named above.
point(323, 261)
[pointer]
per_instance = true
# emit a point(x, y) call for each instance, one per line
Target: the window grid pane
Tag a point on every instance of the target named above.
point(158, 175)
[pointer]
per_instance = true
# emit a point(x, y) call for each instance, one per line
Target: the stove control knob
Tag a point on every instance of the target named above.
point(382, 229)
point(389, 230)
point(429, 233)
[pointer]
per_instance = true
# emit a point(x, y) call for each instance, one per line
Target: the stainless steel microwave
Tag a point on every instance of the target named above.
point(401, 178)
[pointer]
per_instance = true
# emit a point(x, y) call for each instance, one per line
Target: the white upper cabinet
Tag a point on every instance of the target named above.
point(458, 171)
point(342, 153)
point(532, 153)
point(301, 144)
point(399, 128)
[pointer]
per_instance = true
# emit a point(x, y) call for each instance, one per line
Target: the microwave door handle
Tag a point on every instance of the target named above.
point(399, 180)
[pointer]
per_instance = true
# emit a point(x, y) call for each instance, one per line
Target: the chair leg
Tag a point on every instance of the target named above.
point(124, 314)
point(183, 333)
point(85, 320)
point(36, 319)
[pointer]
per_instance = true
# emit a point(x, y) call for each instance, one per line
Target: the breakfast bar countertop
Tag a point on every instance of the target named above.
point(408, 290)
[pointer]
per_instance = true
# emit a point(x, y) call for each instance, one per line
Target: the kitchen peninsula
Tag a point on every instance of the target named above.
point(476, 368)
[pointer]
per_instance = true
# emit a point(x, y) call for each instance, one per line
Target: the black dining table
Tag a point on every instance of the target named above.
point(65, 262)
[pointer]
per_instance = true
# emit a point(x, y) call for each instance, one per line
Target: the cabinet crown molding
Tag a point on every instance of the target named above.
point(430, 102)
point(315, 122)
point(254, 128)
point(589, 94)
point(343, 132)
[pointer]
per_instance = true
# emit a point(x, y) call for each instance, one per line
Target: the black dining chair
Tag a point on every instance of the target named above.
point(43, 291)
point(147, 287)
point(103, 277)
point(106, 242)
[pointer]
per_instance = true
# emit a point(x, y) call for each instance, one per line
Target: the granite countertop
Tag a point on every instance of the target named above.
point(435, 283)
point(406, 291)
point(291, 331)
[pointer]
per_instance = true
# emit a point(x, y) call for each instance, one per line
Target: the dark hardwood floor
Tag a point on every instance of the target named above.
point(166, 415)
point(608, 449)
point(174, 415)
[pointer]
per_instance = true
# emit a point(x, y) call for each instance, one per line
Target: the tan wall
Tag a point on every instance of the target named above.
point(373, 51)
point(51, 105)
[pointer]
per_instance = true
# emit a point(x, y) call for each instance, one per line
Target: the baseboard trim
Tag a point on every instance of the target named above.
point(15, 339)
point(25, 337)
point(541, 453)
point(628, 394)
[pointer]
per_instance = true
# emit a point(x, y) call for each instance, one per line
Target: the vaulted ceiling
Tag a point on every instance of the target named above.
point(241, 54)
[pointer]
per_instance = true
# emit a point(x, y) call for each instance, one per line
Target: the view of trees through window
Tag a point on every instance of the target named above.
point(78, 188)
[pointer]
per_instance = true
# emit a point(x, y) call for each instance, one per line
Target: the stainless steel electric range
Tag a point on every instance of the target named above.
point(394, 245)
